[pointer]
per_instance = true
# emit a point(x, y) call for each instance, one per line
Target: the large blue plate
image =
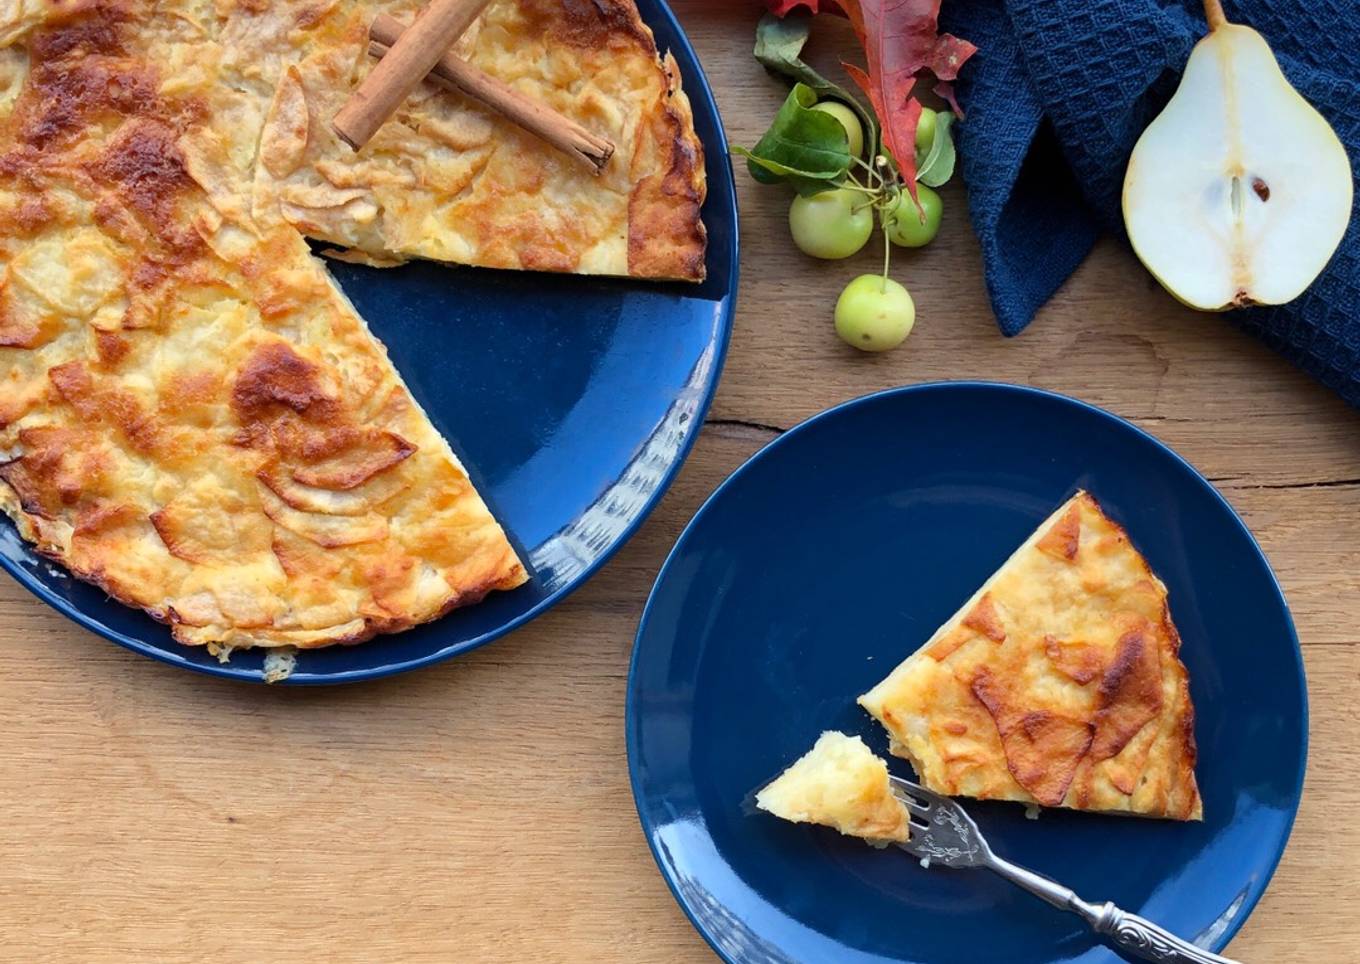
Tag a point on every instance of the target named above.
point(836, 551)
point(572, 401)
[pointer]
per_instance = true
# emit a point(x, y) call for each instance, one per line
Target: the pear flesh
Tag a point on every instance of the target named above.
point(1238, 192)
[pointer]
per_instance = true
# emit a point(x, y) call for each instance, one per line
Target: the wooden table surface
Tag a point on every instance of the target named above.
point(480, 810)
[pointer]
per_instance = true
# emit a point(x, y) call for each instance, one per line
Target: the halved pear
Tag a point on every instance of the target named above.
point(1238, 192)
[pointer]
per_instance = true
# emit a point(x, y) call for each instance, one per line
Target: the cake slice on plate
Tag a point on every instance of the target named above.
point(193, 417)
point(1059, 683)
point(839, 783)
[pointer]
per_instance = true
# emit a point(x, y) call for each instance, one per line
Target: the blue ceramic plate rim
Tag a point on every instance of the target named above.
point(716, 157)
point(631, 720)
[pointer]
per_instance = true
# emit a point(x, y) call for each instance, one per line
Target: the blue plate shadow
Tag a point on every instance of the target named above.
point(572, 402)
point(836, 551)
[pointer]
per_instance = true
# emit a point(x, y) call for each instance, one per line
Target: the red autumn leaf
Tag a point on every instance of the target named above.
point(945, 91)
point(782, 8)
point(898, 113)
point(901, 40)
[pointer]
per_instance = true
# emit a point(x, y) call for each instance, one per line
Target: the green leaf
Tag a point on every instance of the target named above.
point(804, 147)
point(779, 46)
point(772, 172)
point(761, 170)
point(938, 165)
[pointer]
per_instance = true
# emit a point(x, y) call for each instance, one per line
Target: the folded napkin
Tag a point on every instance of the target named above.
point(1057, 95)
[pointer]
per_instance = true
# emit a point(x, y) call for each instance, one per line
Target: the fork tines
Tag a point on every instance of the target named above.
point(917, 798)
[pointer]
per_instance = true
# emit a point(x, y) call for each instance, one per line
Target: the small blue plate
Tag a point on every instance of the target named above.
point(835, 552)
point(572, 401)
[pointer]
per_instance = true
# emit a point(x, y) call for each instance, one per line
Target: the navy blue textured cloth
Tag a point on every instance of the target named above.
point(1055, 98)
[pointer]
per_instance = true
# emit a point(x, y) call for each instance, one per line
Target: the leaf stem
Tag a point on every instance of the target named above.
point(887, 256)
point(861, 189)
point(1213, 12)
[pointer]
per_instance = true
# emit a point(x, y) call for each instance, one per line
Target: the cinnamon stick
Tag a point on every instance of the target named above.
point(412, 56)
point(534, 116)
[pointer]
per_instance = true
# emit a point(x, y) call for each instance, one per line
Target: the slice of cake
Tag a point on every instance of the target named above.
point(192, 416)
point(839, 783)
point(1058, 683)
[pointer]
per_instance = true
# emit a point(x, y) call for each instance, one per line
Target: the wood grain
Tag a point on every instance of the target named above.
point(480, 811)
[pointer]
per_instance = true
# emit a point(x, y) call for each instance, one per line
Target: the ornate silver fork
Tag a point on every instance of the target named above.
point(943, 833)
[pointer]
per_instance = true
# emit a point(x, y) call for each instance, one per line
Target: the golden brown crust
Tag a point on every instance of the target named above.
point(983, 618)
point(594, 24)
point(1130, 694)
point(447, 179)
point(195, 419)
point(209, 433)
point(942, 647)
point(666, 238)
point(1064, 536)
point(1043, 749)
point(1084, 703)
point(1079, 661)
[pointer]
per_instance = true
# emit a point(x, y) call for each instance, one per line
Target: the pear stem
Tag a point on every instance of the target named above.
point(1213, 12)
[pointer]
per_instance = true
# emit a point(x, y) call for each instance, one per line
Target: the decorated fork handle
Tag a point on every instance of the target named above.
point(1142, 938)
point(1132, 934)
